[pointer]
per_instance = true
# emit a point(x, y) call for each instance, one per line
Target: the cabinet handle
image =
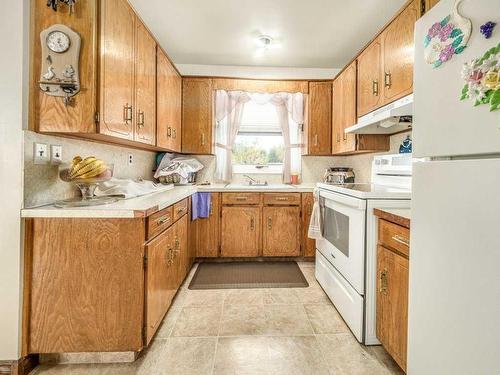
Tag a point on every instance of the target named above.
point(241, 198)
point(174, 132)
point(281, 198)
point(401, 240)
point(375, 87)
point(387, 79)
point(269, 223)
point(169, 256)
point(211, 208)
point(177, 245)
point(383, 282)
point(203, 139)
point(169, 131)
point(252, 223)
point(140, 119)
point(127, 113)
point(162, 220)
point(315, 139)
point(180, 210)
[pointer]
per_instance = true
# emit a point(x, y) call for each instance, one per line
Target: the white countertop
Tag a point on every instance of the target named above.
point(148, 204)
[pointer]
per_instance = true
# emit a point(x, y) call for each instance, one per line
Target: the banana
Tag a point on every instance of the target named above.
point(75, 170)
point(89, 167)
point(94, 172)
point(76, 160)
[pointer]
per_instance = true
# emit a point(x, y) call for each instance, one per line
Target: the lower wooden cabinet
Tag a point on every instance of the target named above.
point(308, 244)
point(240, 231)
point(281, 231)
point(207, 239)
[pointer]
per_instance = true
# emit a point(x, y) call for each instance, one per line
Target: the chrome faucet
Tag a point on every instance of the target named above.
point(253, 182)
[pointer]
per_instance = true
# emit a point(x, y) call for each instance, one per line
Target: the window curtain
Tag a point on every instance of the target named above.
point(229, 106)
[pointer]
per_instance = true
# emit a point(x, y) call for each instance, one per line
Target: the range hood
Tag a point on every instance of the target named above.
point(393, 118)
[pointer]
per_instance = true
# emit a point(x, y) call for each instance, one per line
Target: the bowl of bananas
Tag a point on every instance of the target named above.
point(86, 173)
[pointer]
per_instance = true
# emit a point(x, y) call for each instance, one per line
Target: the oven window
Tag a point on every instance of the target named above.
point(336, 229)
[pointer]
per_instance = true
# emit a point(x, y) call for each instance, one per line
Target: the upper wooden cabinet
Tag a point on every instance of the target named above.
point(117, 78)
point(319, 118)
point(197, 124)
point(169, 98)
point(385, 67)
point(349, 118)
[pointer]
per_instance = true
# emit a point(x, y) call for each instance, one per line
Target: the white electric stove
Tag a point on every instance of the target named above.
point(346, 255)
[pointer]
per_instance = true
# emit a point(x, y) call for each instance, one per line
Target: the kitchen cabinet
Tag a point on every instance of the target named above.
point(181, 248)
point(208, 230)
point(145, 85)
point(281, 231)
point(308, 244)
point(429, 4)
point(392, 289)
point(319, 118)
point(397, 42)
point(369, 77)
point(169, 104)
point(197, 124)
point(118, 27)
point(240, 231)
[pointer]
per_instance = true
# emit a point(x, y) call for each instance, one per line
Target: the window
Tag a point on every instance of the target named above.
point(259, 145)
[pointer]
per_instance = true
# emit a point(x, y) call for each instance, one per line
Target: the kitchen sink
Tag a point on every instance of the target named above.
point(246, 186)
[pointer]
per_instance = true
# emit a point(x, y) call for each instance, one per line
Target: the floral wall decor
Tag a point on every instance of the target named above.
point(447, 38)
point(482, 79)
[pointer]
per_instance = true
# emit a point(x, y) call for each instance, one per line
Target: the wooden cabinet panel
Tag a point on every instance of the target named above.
point(117, 69)
point(394, 236)
point(349, 117)
point(392, 303)
point(208, 231)
point(180, 209)
point(169, 103)
point(319, 118)
point(240, 231)
point(180, 248)
point(159, 221)
point(308, 244)
point(397, 42)
point(241, 198)
point(288, 199)
point(197, 115)
point(145, 85)
point(87, 285)
point(161, 280)
point(281, 231)
point(337, 113)
point(369, 78)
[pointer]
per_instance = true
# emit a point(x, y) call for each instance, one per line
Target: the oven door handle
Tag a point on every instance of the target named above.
point(356, 203)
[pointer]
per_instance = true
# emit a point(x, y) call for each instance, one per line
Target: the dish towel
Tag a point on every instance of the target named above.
point(201, 205)
point(315, 225)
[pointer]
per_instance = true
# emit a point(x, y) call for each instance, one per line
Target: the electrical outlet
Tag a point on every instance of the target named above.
point(130, 159)
point(40, 153)
point(55, 154)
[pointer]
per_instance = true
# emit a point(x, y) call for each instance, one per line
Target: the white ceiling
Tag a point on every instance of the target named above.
point(312, 33)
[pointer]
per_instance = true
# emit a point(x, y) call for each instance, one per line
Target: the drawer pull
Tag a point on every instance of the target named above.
point(181, 209)
point(281, 198)
point(241, 198)
point(169, 256)
point(383, 282)
point(211, 208)
point(401, 240)
point(163, 220)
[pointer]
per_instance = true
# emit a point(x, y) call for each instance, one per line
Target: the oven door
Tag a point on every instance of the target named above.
point(343, 242)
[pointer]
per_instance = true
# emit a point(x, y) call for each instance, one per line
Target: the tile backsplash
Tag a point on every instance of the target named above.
point(42, 184)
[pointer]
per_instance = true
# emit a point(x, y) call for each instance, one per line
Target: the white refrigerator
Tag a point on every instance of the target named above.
point(454, 300)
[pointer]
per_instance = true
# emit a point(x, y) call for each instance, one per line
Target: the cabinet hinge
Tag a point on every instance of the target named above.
point(145, 261)
point(96, 117)
point(422, 7)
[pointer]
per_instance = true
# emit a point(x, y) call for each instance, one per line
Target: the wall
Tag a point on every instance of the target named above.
point(42, 184)
point(12, 81)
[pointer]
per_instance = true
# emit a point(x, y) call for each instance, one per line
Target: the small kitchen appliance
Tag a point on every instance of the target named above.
point(339, 175)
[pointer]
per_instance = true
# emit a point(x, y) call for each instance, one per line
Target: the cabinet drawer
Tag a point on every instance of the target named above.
point(180, 209)
point(394, 236)
point(160, 221)
point(288, 199)
point(240, 198)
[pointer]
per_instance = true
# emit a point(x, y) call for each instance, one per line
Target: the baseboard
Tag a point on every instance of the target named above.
point(22, 366)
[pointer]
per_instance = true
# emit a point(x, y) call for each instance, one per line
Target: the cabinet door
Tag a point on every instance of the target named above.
point(281, 231)
point(181, 248)
point(308, 244)
point(208, 231)
point(320, 120)
point(392, 303)
point(337, 113)
point(240, 234)
point(197, 115)
point(145, 85)
point(169, 96)
point(117, 69)
point(161, 280)
point(369, 78)
point(349, 117)
point(397, 42)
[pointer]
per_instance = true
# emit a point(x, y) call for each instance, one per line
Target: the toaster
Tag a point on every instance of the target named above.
point(339, 175)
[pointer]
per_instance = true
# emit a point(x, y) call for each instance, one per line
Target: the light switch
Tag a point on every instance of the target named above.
point(40, 153)
point(55, 154)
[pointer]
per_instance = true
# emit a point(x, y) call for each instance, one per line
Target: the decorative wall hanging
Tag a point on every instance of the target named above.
point(487, 29)
point(482, 79)
point(447, 38)
point(54, 4)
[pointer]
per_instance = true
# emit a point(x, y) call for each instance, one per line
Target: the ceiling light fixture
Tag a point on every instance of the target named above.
point(264, 41)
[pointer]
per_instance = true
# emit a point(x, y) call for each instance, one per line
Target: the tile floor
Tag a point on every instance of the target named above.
point(249, 331)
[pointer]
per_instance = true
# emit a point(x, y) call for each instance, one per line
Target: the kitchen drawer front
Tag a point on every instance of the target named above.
point(180, 209)
point(240, 198)
point(394, 236)
point(287, 199)
point(160, 221)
